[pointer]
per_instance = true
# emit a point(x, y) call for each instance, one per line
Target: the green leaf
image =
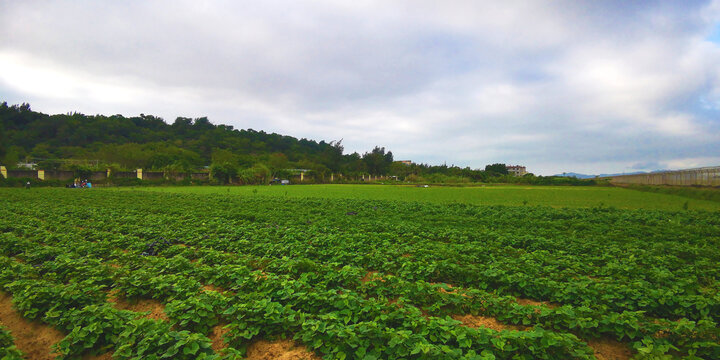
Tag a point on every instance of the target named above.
point(191, 348)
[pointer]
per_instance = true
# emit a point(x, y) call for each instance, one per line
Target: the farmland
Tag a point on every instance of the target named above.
point(360, 273)
point(555, 196)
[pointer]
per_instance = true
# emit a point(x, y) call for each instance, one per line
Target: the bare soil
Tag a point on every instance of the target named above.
point(34, 339)
point(609, 349)
point(476, 321)
point(106, 356)
point(370, 276)
point(210, 287)
point(216, 337)
point(530, 302)
point(156, 308)
point(452, 289)
point(279, 350)
point(261, 276)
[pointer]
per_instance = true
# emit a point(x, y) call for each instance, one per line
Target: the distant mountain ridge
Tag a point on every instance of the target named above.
point(586, 176)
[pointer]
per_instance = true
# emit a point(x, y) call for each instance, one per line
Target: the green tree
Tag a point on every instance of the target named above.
point(378, 161)
point(332, 156)
point(220, 156)
point(496, 169)
point(276, 163)
point(223, 173)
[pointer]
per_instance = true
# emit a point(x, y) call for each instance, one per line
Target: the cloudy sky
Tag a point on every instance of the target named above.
point(558, 86)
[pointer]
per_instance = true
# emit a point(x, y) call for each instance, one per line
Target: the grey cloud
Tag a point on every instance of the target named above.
point(561, 86)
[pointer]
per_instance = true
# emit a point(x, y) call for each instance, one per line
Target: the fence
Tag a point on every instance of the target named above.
point(99, 175)
point(706, 176)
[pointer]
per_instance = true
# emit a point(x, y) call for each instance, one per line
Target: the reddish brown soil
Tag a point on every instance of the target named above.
point(530, 302)
point(475, 321)
point(279, 350)
point(370, 276)
point(609, 349)
point(210, 287)
point(452, 289)
point(260, 276)
point(156, 309)
point(442, 290)
point(216, 337)
point(106, 356)
point(35, 340)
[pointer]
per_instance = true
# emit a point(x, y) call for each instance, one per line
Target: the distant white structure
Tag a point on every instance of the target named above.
point(516, 170)
point(27, 165)
point(406, 162)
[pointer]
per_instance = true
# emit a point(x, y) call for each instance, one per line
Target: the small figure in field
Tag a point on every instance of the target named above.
point(27, 185)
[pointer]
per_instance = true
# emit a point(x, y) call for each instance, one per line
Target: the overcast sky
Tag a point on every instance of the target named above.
point(557, 86)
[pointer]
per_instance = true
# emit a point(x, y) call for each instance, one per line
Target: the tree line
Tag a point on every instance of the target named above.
point(185, 145)
point(148, 142)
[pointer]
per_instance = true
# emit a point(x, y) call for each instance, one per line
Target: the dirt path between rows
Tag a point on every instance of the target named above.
point(609, 349)
point(156, 308)
point(476, 321)
point(34, 339)
point(279, 350)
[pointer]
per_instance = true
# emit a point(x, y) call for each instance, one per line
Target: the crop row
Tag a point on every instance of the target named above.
point(266, 306)
point(294, 269)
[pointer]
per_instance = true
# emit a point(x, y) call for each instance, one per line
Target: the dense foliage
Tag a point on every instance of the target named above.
point(83, 143)
point(149, 142)
point(359, 279)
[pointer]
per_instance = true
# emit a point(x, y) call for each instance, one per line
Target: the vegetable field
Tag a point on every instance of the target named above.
point(149, 275)
point(555, 196)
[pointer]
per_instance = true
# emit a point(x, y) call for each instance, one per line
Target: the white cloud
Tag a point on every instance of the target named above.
point(563, 86)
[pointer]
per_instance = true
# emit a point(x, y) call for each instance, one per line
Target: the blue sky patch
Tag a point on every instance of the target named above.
point(715, 34)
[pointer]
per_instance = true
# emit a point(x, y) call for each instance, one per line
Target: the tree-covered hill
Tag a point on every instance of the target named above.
point(149, 142)
point(68, 141)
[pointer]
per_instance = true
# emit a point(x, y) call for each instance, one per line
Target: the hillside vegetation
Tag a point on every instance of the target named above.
point(76, 141)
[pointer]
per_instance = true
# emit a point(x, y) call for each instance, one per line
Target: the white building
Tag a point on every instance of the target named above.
point(516, 170)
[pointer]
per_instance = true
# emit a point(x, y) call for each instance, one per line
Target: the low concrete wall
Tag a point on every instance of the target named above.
point(98, 176)
point(59, 175)
point(708, 176)
point(124, 175)
point(147, 175)
point(22, 174)
point(176, 177)
point(64, 175)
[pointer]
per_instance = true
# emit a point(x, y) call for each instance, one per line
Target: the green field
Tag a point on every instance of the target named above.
point(555, 196)
point(195, 273)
